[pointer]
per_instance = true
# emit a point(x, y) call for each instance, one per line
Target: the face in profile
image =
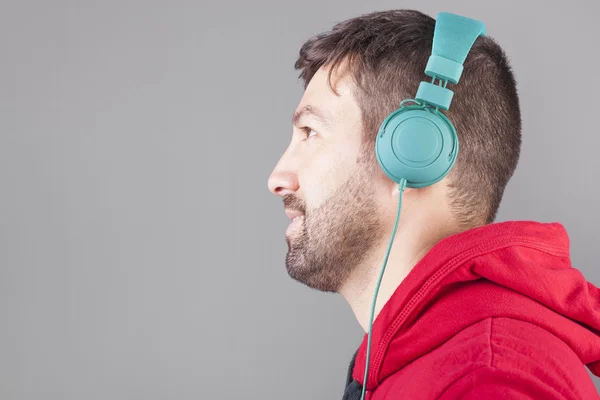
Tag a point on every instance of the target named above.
point(320, 178)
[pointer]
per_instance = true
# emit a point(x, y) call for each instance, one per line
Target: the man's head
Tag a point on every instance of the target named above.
point(354, 76)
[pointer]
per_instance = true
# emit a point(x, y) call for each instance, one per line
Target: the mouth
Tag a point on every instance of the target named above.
point(296, 221)
point(293, 214)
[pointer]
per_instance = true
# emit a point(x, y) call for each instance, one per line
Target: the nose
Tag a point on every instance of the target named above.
point(282, 181)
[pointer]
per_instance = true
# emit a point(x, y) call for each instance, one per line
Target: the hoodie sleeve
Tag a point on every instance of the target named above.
point(494, 383)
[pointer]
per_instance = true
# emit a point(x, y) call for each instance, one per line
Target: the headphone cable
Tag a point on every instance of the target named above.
point(401, 186)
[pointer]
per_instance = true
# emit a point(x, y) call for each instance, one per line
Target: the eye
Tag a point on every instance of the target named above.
point(309, 132)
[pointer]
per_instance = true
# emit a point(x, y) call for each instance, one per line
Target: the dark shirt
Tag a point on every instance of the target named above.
point(353, 389)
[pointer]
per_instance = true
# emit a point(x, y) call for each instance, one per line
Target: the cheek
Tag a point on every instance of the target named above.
point(323, 173)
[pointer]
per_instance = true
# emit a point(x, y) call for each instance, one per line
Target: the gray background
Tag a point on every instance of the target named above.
point(141, 253)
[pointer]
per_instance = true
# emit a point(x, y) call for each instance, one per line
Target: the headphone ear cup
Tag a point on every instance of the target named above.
point(417, 144)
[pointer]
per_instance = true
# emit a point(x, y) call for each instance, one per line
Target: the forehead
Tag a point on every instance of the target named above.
point(320, 95)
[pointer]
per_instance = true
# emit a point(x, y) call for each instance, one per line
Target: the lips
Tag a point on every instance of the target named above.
point(297, 220)
point(293, 214)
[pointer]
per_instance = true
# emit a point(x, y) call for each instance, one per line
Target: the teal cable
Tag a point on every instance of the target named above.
point(401, 186)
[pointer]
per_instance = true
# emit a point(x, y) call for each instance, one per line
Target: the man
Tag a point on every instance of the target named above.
point(468, 308)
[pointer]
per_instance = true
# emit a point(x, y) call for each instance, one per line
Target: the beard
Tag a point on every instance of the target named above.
point(332, 241)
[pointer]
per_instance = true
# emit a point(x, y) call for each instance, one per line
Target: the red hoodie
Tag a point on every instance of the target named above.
point(495, 312)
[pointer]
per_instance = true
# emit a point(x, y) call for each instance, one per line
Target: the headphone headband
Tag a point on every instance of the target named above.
point(453, 38)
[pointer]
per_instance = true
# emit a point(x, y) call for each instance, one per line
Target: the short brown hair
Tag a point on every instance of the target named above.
point(386, 54)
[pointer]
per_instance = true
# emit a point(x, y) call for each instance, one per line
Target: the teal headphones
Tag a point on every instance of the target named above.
point(417, 145)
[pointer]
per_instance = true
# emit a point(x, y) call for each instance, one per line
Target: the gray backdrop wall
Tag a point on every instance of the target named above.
point(141, 253)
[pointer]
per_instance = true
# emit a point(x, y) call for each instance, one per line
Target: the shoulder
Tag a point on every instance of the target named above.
point(521, 361)
point(493, 383)
point(498, 357)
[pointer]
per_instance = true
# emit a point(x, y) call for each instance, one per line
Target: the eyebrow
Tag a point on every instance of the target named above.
point(309, 110)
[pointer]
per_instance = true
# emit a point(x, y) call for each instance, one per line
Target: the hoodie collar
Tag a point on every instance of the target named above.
point(529, 258)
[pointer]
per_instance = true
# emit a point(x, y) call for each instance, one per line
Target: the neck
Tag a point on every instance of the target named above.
point(412, 241)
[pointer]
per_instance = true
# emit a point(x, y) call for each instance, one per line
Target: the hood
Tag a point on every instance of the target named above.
point(510, 264)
